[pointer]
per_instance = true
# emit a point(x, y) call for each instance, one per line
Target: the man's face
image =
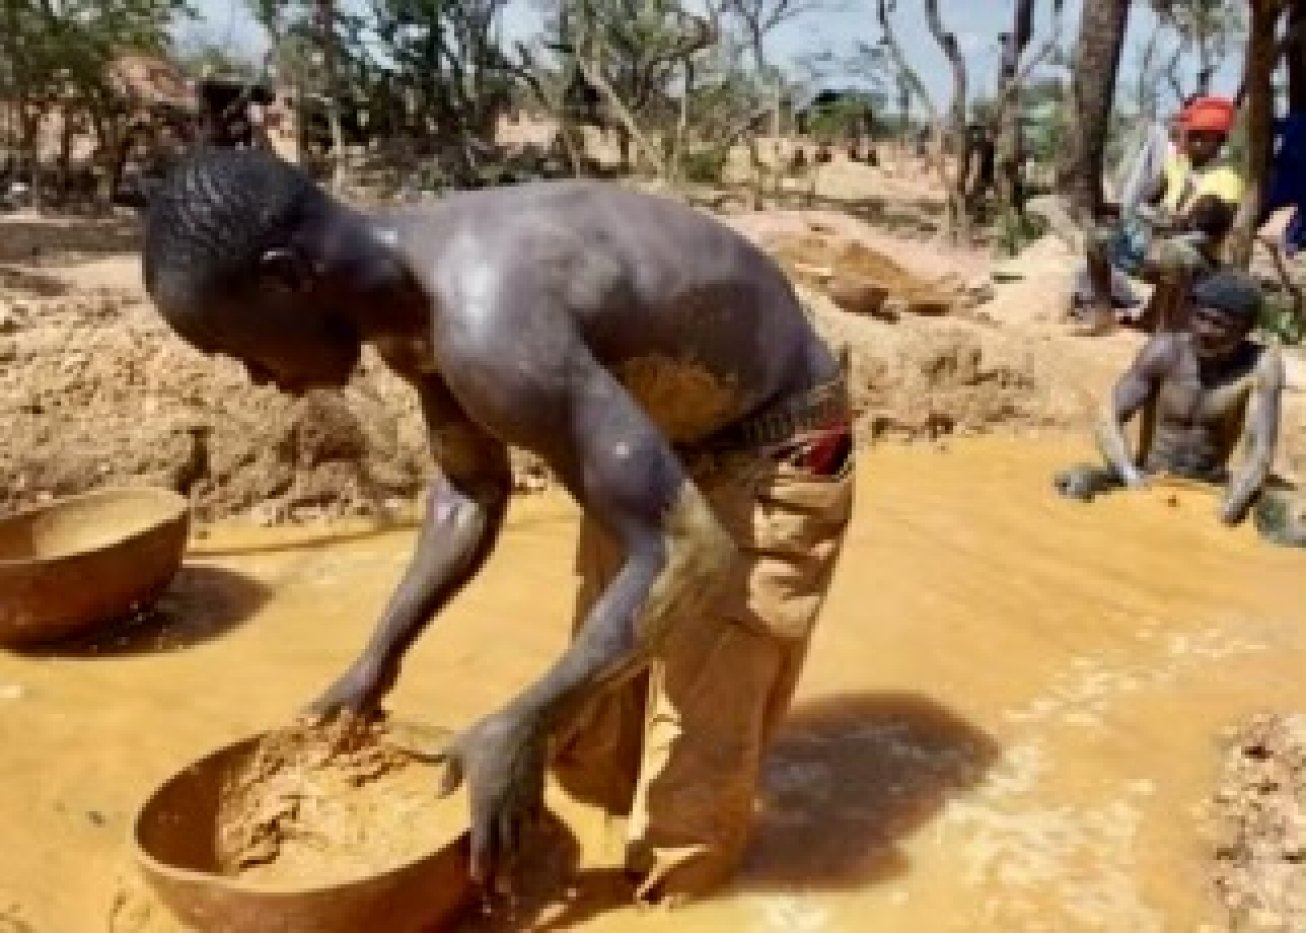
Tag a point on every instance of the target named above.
point(1217, 332)
point(276, 338)
point(1203, 145)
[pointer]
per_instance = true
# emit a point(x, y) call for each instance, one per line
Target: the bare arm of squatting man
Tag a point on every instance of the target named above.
point(1260, 436)
point(1135, 389)
point(570, 410)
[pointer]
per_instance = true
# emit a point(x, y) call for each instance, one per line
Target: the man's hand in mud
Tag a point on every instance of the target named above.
point(1075, 484)
point(1230, 514)
point(502, 758)
point(1136, 479)
point(359, 690)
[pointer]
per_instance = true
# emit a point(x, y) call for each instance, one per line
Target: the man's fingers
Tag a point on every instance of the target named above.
point(452, 776)
point(482, 850)
point(509, 835)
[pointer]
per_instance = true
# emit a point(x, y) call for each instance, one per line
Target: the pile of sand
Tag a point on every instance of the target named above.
point(940, 378)
point(94, 390)
point(322, 804)
point(857, 278)
point(1260, 856)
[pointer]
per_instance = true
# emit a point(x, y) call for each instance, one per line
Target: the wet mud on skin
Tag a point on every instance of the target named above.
point(1011, 720)
point(685, 400)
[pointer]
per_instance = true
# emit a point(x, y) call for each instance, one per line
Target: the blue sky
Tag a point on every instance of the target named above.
point(976, 22)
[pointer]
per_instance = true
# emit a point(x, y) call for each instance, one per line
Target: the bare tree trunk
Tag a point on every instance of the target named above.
point(64, 165)
point(327, 45)
point(31, 147)
point(910, 81)
point(958, 219)
point(904, 131)
point(675, 158)
point(1296, 58)
point(590, 69)
point(1258, 72)
point(1101, 39)
point(1146, 90)
point(1206, 64)
point(1010, 190)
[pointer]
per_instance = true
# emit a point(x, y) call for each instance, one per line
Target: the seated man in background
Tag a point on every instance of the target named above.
point(1193, 202)
point(1201, 389)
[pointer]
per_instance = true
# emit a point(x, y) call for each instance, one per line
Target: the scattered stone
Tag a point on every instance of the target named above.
point(860, 295)
point(1259, 812)
point(978, 291)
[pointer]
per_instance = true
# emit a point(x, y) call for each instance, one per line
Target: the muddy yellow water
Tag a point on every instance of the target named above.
point(1009, 721)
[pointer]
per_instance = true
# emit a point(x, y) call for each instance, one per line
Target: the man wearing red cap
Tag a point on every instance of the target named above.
point(1196, 172)
point(1192, 206)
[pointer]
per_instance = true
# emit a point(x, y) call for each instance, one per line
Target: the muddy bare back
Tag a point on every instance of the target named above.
point(698, 324)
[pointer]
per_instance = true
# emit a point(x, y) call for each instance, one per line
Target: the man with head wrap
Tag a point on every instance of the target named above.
point(1202, 390)
point(1174, 230)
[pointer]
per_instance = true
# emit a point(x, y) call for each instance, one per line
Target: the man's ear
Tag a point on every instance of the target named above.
point(286, 269)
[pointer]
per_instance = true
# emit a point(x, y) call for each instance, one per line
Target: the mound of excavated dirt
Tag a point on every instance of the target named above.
point(94, 390)
point(1260, 808)
point(850, 273)
point(936, 378)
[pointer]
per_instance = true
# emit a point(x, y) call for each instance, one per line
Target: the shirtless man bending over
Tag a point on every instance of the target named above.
point(1203, 389)
point(663, 368)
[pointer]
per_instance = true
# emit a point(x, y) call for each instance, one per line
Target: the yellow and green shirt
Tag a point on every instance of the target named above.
point(1184, 184)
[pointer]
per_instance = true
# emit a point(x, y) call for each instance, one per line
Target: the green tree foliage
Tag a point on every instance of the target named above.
point(55, 58)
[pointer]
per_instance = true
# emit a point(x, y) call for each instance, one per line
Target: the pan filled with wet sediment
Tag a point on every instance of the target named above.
point(73, 564)
point(315, 828)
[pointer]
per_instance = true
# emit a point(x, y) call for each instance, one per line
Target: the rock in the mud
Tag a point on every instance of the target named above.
point(894, 307)
point(977, 291)
point(859, 295)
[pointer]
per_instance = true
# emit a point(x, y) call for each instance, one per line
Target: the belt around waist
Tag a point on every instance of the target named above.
point(821, 408)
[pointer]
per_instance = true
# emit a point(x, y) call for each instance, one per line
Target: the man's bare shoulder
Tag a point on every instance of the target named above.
point(1161, 353)
point(586, 239)
point(579, 204)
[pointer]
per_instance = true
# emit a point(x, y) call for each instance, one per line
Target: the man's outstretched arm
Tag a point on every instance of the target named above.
point(614, 461)
point(464, 512)
point(1260, 436)
point(1136, 388)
